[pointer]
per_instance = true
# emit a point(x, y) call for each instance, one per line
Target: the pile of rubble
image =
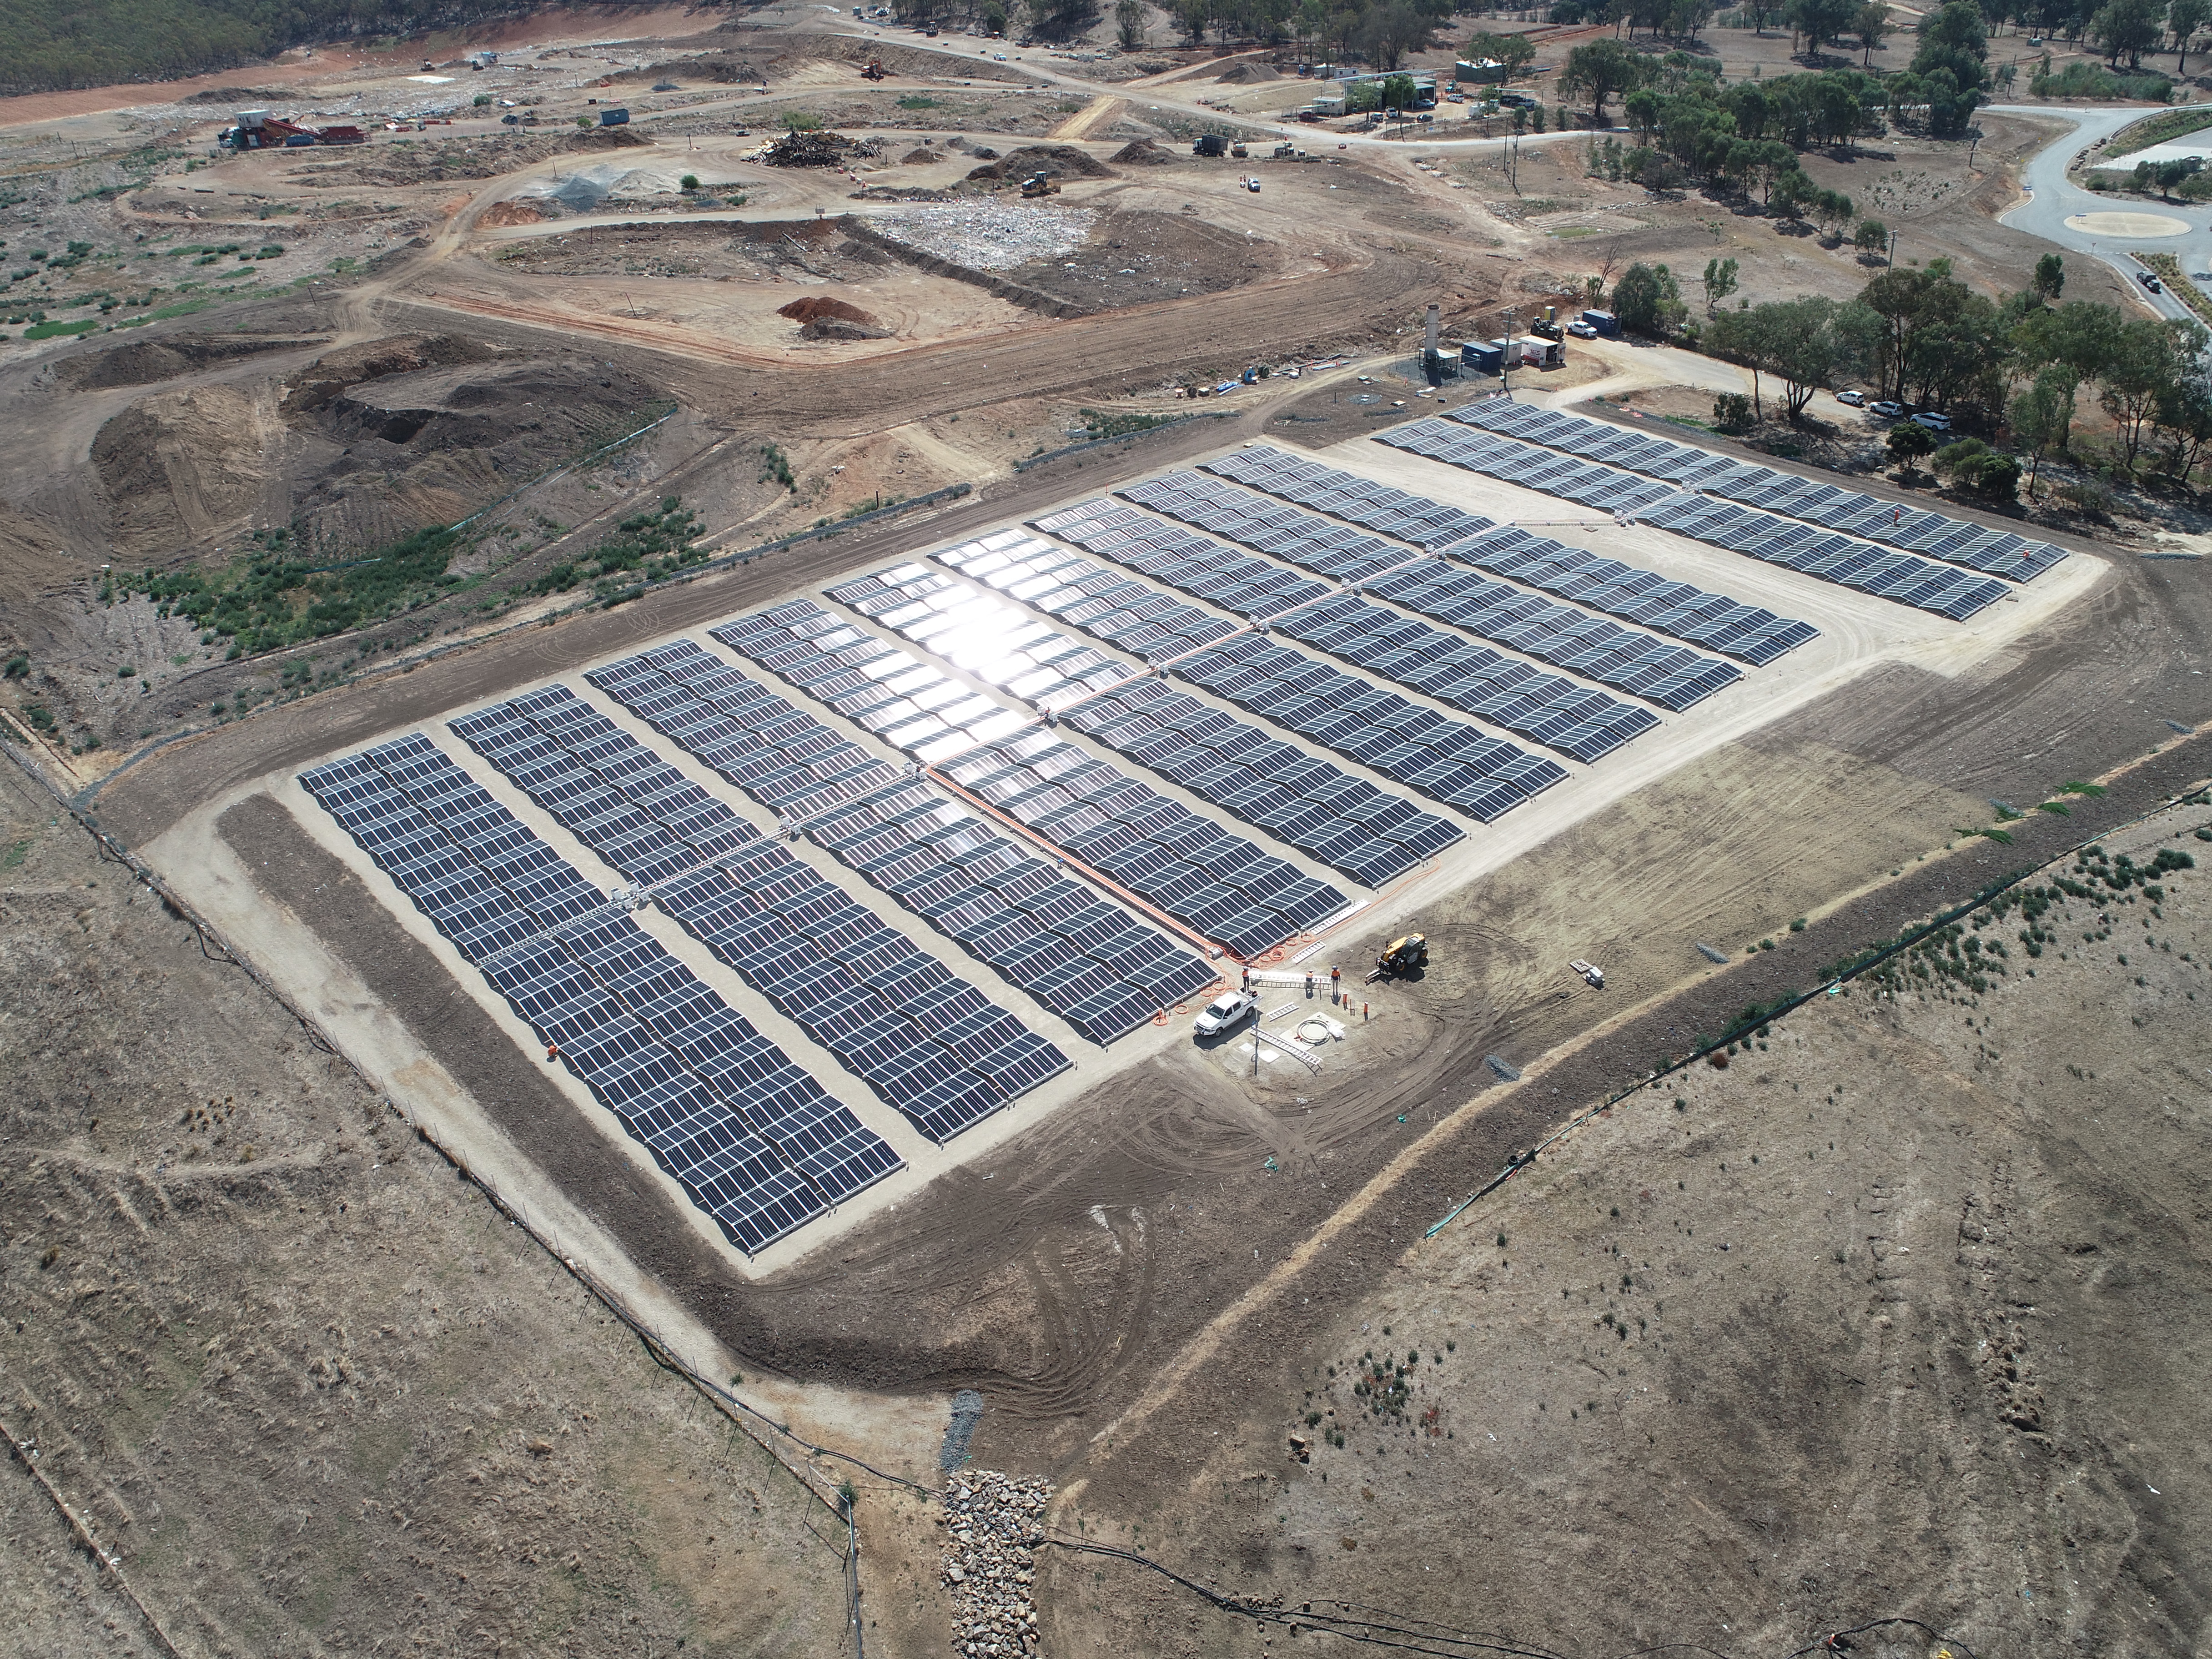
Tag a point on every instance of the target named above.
point(993, 1523)
point(987, 235)
point(815, 150)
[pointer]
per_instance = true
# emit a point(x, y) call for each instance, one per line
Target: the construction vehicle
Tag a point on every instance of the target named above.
point(1210, 143)
point(1039, 183)
point(1548, 325)
point(1240, 150)
point(1286, 151)
point(875, 70)
point(1401, 956)
point(1594, 976)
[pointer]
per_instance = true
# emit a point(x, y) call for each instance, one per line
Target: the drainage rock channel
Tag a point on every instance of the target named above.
point(993, 1523)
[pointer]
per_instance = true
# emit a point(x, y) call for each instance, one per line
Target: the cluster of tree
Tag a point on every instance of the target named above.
point(1684, 97)
point(1922, 337)
point(1357, 31)
point(48, 44)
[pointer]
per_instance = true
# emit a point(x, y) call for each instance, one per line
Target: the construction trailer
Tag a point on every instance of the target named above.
point(1604, 322)
point(614, 118)
point(1483, 356)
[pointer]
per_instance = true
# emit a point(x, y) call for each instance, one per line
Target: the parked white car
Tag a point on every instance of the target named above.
point(1224, 1011)
point(1932, 421)
point(1856, 399)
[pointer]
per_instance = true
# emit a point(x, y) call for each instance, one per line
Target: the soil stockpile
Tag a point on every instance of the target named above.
point(811, 310)
point(1142, 153)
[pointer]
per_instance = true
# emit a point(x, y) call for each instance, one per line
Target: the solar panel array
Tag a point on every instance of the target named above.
point(1579, 722)
point(1334, 550)
point(1104, 604)
point(931, 1044)
point(1348, 496)
point(1573, 719)
point(616, 796)
point(782, 758)
point(1146, 962)
point(753, 1139)
point(1904, 577)
point(1239, 583)
point(1751, 633)
point(1602, 650)
point(892, 693)
point(1484, 777)
point(1719, 623)
point(1189, 867)
point(819, 956)
point(1345, 821)
point(1851, 512)
point(1447, 759)
point(1076, 954)
point(996, 643)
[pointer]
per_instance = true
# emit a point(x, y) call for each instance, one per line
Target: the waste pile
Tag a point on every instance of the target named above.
point(815, 149)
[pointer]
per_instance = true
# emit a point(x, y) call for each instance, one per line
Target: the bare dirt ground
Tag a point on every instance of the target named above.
point(303, 1384)
point(1852, 1328)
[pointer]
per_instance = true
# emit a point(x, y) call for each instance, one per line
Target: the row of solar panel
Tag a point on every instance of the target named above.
point(1583, 724)
point(1574, 720)
point(822, 937)
point(928, 1043)
point(1295, 805)
point(1104, 603)
point(782, 758)
point(1605, 651)
point(1240, 583)
point(1245, 927)
point(753, 1139)
point(1337, 551)
point(995, 643)
point(1994, 552)
point(1447, 759)
point(1484, 777)
point(1218, 884)
point(1348, 496)
point(1752, 634)
point(1749, 633)
point(685, 668)
point(1672, 675)
point(1902, 578)
point(1078, 955)
point(893, 693)
point(617, 797)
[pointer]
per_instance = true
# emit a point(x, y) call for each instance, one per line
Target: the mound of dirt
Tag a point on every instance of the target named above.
point(175, 470)
point(142, 362)
point(1062, 160)
point(807, 310)
point(609, 138)
point(240, 95)
point(400, 354)
point(509, 213)
point(1142, 153)
point(914, 158)
point(1248, 74)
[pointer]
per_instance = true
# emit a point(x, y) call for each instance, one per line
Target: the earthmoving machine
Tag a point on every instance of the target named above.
point(1039, 183)
point(1240, 150)
point(875, 70)
point(1401, 956)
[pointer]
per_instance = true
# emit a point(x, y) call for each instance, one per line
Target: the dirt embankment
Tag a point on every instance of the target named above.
point(1887, 1276)
point(304, 1386)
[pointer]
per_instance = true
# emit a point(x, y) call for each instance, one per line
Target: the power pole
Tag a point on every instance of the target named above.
point(1505, 361)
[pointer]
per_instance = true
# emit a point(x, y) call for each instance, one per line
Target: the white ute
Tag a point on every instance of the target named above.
point(1224, 1011)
